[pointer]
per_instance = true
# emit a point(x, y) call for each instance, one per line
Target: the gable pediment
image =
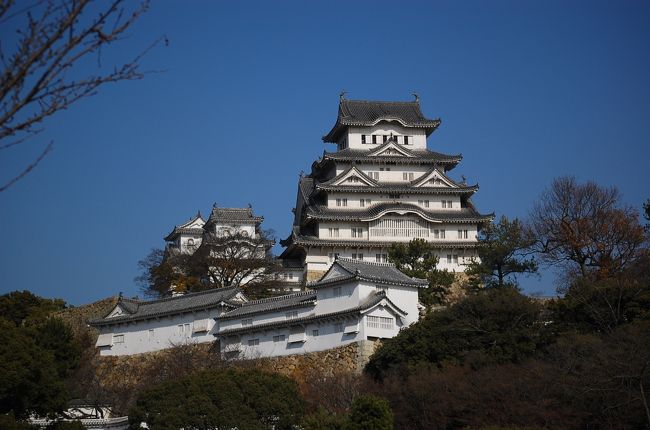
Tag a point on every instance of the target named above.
point(354, 178)
point(335, 272)
point(390, 149)
point(435, 178)
point(117, 311)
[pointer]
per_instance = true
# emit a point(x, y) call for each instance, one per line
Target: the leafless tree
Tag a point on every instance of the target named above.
point(585, 228)
point(235, 260)
point(41, 68)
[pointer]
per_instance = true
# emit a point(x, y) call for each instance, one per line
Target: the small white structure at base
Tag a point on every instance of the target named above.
point(355, 300)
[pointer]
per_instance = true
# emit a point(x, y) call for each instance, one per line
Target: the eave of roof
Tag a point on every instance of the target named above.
point(465, 215)
point(399, 188)
point(313, 241)
point(224, 296)
point(288, 301)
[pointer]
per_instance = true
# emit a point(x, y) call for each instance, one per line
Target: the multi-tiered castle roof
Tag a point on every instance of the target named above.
point(382, 185)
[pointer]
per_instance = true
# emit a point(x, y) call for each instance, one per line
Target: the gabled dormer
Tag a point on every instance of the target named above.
point(434, 178)
point(352, 177)
point(391, 149)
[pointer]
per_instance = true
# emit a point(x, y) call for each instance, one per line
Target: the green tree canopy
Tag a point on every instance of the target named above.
point(417, 258)
point(223, 398)
point(370, 413)
point(494, 326)
point(22, 306)
point(37, 353)
point(501, 252)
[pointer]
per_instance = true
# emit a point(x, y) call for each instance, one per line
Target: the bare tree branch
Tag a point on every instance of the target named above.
point(41, 75)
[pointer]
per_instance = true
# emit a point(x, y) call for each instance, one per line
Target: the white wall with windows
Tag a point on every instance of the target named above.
point(156, 334)
point(380, 321)
point(416, 138)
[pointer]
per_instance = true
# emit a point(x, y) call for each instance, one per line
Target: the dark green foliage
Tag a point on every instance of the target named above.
point(29, 376)
point(224, 398)
point(370, 413)
point(502, 254)
point(37, 353)
point(22, 306)
point(324, 420)
point(417, 258)
point(495, 326)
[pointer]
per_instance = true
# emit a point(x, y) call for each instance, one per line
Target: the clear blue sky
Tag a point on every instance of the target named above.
point(527, 91)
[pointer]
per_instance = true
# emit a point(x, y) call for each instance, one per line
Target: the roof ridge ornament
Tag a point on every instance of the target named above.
point(417, 97)
point(342, 95)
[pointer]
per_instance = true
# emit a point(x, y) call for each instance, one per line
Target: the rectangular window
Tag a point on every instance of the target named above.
point(455, 258)
point(374, 138)
point(406, 140)
point(338, 328)
point(363, 139)
point(314, 333)
point(426, 203)
point(362, 203)
point(278, 338)
point(450, 203)
point(345, 202)
point(338, 202)
point(381, 258)
point(292, 314)
point(462, 234)
point(356, 256)
point(448, 258)
point(334, 232)
point(442, 234)
point(405, 176)
point(444, 204)
point(337, 292)
point(246, 322)
point(356, 231)
point(436, 234)
point(379, 322)
point(253, 342)
point(385, 138)
point(118, 338)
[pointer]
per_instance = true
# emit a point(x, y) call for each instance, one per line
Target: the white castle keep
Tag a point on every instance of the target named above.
point(382, 185)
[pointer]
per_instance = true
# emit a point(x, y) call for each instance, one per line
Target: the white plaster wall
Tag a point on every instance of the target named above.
point(378, 332)
point(327, 339)
point(265, 318)
point(395, 174)
point(406, 298)
point(165, 333)
point(417, 135)
point(328, 303)
point(435, 200)
point(345, 232)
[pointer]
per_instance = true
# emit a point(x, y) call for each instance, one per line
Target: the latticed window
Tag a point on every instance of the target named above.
point(379, 322)
point(390, 227)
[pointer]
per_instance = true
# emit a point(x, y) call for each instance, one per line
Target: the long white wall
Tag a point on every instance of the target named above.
point(156, 334)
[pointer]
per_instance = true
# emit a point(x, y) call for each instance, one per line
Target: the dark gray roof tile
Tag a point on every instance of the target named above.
point(369, 113)
point(289, 301)
point(139, 310)
point(385, 273)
